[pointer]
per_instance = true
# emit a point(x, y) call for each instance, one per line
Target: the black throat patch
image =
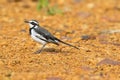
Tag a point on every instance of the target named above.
point(31, 29)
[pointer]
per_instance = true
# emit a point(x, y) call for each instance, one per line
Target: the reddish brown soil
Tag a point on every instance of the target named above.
point(91, 25)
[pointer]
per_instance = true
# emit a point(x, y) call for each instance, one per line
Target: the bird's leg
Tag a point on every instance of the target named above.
point(39, 51)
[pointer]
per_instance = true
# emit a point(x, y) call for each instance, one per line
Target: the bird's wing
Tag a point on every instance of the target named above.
point(47, 35)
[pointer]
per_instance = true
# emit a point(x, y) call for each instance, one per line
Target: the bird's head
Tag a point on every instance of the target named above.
point(32, 23)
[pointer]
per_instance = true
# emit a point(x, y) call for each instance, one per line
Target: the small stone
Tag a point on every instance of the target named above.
point(85, 37)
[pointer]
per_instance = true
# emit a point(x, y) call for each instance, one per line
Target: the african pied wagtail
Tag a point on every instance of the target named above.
point(42, 35)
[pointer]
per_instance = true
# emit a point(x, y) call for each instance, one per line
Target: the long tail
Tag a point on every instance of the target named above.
point(68, 44)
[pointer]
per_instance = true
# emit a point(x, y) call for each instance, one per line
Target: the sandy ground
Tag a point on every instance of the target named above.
point(91, 25)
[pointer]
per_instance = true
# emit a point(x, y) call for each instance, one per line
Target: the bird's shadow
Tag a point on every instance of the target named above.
point(52, 50)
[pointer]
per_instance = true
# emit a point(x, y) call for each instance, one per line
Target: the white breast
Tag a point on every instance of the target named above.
point(34, 34)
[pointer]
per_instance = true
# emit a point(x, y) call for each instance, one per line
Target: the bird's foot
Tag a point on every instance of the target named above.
point(37, 52)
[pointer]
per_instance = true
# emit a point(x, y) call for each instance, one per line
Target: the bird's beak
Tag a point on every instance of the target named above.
point(26, 21)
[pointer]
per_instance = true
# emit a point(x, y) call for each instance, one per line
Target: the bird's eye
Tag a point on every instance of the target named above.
point(33, 23)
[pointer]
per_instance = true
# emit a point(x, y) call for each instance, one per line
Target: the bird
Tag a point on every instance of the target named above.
point(42, 35)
